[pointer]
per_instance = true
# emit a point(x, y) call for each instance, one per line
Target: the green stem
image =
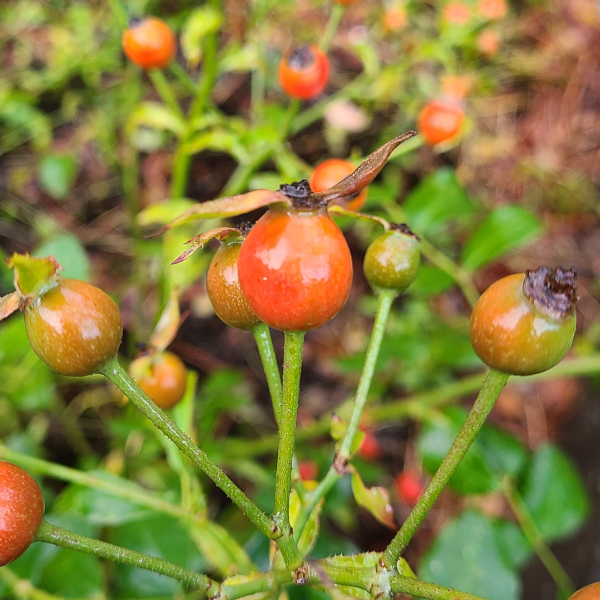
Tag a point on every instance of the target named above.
point(183, 77)
point(332, 24)
point(402, 408)
point(262, 335)
point(238, 182)
point(119, 12)
point(165, 91)
point(460, 276)
point(492, 386)
point(535, 538)
point(292, 367)
point(426, 590)
point(337, 469)
point(115, 373)
point(67, 539)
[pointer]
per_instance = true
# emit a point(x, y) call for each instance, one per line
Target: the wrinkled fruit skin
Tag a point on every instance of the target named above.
point(149, 43)
point(162, 376)
point(21, 511)
point(510, 335)
point(332, 171)
point(295, 269)
point(440, 121)
point(589, 592)
point(392, 261)
point(224, 291)
point(74, 327)
point(304, 81)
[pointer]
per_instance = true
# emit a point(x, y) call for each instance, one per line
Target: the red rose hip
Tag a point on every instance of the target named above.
point(21, 511)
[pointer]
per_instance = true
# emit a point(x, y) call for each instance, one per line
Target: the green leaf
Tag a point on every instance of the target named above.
point(201, 22)
point(554, 493)
point(156, 116)
point(493, 454)
point(430, 281)
point(69, 252)
point(159, 536)
point(375, 499)
point(512, 543)
point(57, 174)
point(504, 229)
point(160, 214)
point(436, 200)
point(466, 556)
point(311, 530)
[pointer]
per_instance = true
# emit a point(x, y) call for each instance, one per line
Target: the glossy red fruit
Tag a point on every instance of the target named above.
point(589, 592)
point(409, 487)
point(304, 72)
point(223, 287)
point(440, 121)
point(525, 323)
point(392, 260)
point(162, 376)
point(149, 43)
point(74, 327)
point(308, 469)
point(370, 448)
point(295, 268)
point(332, 171)
point(21, 511)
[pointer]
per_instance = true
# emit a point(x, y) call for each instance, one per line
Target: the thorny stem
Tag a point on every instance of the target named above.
point(385, 300)
point(67, 539)
point(535, 538)
point(492, 386)
point(292, 367)
point(424, 589)
point(264, 343)
point(113, 371)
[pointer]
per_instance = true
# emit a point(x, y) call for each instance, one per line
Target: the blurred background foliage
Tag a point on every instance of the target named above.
point(86, 168)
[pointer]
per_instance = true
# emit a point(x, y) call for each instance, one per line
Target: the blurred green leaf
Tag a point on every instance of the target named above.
point(504, 229)
point(69, 252)
point(200, 23)
point(430, 281)
point(554, 493)
point(438, 199)
point(466, 556)
point(156, 116)
point(56, 175)
point(374, 499)
point(512, 543)
point(493, 454)
point(159, 536)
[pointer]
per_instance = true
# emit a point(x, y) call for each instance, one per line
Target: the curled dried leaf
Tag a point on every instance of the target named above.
point(198, 242)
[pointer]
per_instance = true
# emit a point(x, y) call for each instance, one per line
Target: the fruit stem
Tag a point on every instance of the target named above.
point(385, 300)
point(113, 371)
point(165, 92)
point(332, 24)
point(535, 538)
point(262, 335)
point(424, 589)
point(67, 539)
point(292, 367)
point(492, 386)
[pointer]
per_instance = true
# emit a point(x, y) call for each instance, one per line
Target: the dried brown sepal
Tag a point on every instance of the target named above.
point(364, 174)
point(335, 208)
point(552, 291)
point(198, 242)
point(404, 229)
point(230, 206)
point(9, 304)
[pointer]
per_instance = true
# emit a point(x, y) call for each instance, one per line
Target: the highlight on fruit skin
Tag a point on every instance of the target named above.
point(21, 511)
point(525, 323)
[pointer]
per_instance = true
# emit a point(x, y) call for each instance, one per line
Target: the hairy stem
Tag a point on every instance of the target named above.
point(67, 539)
point(492, 386)
point(426, 590)
point(385, 300)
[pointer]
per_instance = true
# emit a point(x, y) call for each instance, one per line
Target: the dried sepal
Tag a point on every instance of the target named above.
point(9, 304)
point(364, 174)
point(230, 206)
point(198, 242)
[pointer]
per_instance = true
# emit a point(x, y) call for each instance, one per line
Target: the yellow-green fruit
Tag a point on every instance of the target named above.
point(392, 260)
point(74, 327)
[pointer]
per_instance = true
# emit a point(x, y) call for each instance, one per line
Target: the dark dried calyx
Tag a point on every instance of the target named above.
point(301, 58)
point(301, 195)
point(552, 291)
point(403, 228)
